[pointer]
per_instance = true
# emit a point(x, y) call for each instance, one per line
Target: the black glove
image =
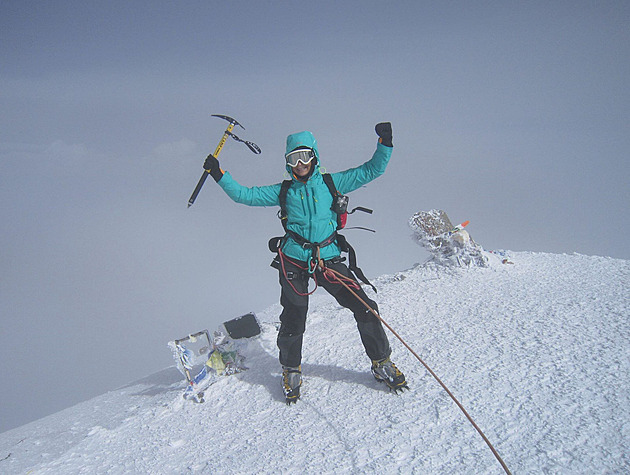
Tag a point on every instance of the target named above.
point(384, 131)
point(211, 165)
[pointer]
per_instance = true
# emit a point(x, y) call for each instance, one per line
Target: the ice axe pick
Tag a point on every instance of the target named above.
point(228, 133)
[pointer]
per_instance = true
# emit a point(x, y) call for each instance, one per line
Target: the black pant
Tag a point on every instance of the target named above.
point(295, 308)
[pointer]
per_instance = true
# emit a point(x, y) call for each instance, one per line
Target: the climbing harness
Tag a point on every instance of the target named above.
point(309, 269)
point(276, 243)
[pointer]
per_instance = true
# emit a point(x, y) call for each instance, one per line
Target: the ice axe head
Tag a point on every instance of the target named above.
point(229, 119)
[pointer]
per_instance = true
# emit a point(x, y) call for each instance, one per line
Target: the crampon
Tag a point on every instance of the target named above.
point(385, 371)
point(291, 382)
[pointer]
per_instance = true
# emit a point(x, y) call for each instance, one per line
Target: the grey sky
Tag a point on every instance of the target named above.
point(513, 115)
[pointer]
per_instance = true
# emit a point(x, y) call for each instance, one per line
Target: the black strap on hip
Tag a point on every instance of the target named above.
point(345, 246)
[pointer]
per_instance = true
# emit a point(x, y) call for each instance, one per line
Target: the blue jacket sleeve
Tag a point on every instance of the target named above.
point(354, 178)
point(251, 196)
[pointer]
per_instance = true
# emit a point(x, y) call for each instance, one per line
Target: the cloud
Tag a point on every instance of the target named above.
point(183, 147)
point(61, 149)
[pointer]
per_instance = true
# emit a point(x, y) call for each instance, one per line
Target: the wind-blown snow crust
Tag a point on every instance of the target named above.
point(538, 352)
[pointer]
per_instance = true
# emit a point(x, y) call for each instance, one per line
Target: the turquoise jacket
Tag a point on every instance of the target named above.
point(308, 203)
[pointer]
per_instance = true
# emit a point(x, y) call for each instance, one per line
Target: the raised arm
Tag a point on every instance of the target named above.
point(251, 196)
point(354, 178)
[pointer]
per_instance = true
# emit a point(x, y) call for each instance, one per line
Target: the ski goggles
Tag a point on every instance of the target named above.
point(303, 155)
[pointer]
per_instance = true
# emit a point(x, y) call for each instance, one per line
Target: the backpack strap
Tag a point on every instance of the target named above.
point(330, 183)
point(333, 191)
point(282, 198)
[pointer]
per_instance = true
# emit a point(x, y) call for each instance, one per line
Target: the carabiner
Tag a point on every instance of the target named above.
point(312, 265)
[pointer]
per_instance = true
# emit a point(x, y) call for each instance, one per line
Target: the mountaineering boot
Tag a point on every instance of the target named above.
point(291, 382)
point(385, 371)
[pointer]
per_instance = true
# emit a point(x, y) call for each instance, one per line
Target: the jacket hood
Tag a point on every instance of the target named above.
point(303, 139)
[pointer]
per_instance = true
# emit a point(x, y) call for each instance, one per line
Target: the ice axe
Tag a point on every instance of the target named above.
point(228, 133)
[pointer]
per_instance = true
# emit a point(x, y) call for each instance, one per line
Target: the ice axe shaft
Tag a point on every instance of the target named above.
point(205, 174)
point(228, 132)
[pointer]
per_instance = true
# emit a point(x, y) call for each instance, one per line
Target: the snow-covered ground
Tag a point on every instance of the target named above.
point(538, 352)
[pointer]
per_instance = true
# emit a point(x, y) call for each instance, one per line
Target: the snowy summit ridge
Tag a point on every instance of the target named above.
point(538, 352)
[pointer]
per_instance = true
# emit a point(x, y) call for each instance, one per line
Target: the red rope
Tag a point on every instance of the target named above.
point(435, 376)
point(333, 276)
point(284, 272)
point(328, 274)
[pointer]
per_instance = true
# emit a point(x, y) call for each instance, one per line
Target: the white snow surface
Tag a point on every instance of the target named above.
point(538, 352)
